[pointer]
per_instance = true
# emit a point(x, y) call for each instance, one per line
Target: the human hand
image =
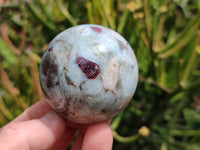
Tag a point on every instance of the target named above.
point(40, 128)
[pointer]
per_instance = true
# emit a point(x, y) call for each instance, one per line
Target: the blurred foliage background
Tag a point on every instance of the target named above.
point(165, 35)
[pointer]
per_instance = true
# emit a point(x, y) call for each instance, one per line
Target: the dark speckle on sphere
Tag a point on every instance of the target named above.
point(50, 70)
point(69, 81)
point(50, 49)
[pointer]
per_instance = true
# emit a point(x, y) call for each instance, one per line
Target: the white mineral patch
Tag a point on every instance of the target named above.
point(110, 75)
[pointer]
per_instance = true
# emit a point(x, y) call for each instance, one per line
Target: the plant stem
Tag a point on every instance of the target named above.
point(5, 111)
point(66, 13)
point(125, 139)
point(176, 132)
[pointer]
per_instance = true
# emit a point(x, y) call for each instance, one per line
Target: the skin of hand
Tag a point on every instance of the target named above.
point(40, 128)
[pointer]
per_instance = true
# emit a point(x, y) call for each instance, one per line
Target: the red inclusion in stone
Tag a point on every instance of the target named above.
point(97, 29)
point(50, 49)
point(90, 69)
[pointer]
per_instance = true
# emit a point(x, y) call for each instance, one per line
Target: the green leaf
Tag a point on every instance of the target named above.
point(191, 116)
point(182, 39)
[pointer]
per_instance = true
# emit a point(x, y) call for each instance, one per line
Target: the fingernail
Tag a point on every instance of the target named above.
point(54, 123)
point(53, 119)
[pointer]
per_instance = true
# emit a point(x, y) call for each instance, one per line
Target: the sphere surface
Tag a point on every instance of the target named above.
point(89, 73)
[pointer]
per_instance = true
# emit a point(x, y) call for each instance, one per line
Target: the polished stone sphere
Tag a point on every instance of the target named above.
point(89, 73)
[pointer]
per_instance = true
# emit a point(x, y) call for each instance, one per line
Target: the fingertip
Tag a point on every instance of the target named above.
point(98, 136)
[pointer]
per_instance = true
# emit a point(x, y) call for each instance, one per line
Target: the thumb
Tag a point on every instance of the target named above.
point(37, 134)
